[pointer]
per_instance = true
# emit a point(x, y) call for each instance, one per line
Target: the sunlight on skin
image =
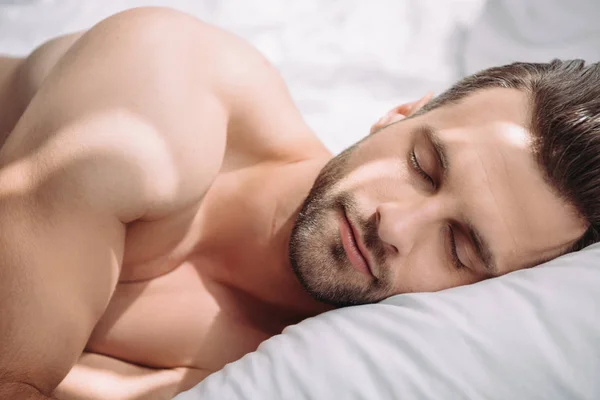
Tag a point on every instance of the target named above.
point(512, 136)
point(492, 180)
point(516, 136)
point(374, 170)
point(18, 168)
point(13, 179)
point(111, 379)
point(510, 185)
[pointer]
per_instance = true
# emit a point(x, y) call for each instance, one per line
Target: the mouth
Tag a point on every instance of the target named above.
point(353, 246)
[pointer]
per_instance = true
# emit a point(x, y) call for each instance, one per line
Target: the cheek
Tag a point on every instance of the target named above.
point(383, 171)
point(417, 272)
point(376, 172)
point(425, 269)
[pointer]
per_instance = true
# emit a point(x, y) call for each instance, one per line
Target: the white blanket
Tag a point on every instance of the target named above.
point(346, 62)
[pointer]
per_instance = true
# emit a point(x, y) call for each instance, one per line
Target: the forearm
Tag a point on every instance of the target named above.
point(97, 377)
point(21, 391)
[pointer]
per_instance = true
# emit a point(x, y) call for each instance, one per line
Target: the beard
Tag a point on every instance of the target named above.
point(316, 253)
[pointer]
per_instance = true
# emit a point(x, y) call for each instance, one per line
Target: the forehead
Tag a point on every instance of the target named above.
point(495, 181)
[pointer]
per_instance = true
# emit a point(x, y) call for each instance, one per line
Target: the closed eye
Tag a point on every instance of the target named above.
point(417, 167)
point(453, 252)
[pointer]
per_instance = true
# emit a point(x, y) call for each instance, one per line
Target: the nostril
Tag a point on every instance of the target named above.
point(389, 248)
point(393, 249)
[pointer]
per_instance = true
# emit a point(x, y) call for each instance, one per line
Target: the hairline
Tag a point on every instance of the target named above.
point(533, 103)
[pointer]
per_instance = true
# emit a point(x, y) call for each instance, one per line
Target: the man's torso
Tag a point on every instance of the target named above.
point(184, 296)
point(178, 301)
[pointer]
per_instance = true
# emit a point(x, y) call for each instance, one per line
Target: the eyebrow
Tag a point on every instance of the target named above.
point(482, 247)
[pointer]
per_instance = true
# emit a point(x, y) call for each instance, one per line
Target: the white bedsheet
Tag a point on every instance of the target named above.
point(346, 61)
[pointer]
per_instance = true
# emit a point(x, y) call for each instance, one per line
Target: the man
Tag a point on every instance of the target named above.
point(155, 220)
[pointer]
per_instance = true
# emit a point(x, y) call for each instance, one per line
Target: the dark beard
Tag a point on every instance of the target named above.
point(324, 268)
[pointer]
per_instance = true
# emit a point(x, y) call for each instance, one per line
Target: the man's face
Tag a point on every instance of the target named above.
point(446, 198)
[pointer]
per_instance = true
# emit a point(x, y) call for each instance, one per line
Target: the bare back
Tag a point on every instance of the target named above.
point(146, 150)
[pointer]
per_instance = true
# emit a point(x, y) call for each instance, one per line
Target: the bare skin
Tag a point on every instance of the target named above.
point(151, 172)
point(162, 237)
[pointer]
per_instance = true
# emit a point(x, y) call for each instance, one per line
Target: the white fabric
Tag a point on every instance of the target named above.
point(531, 335)
point(534, 31)
point(346, 61)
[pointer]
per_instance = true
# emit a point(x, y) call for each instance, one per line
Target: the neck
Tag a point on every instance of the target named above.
point(279, 285)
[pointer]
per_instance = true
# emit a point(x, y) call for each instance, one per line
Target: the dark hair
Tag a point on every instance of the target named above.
point(565, 126)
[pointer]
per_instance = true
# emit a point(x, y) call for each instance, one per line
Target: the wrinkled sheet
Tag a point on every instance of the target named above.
point(346, 61)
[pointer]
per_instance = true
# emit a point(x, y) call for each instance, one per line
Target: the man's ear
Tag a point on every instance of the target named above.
point(400, 112)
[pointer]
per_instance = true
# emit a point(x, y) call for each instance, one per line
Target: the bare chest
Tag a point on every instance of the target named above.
point(176, 303)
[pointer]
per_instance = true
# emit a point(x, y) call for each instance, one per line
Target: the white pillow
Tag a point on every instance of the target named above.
point(532, 334)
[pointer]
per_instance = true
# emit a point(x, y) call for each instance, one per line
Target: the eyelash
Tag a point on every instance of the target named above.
point(455, 260)
point(415, 164)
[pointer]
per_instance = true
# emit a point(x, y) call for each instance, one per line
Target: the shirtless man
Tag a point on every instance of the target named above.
point(155, 221)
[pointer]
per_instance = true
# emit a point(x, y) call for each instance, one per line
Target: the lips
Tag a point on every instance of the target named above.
point(353, 247)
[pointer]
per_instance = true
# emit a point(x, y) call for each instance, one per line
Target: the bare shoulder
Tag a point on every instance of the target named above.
point(263, 121)
point(112, 135)
point(131, 109)
point(168, 96)
point(133, 122)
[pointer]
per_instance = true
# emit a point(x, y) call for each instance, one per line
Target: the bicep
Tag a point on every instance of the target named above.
point(142, 81)
point(96, 149)
point(59, 263)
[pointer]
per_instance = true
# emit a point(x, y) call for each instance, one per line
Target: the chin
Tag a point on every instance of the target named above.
point(336, 284)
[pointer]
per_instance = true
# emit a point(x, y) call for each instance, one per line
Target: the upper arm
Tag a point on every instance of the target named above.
point(142, 84)
point(113, 135)
point(61, 252)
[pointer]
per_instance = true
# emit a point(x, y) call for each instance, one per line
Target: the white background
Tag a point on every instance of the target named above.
point(348, 61)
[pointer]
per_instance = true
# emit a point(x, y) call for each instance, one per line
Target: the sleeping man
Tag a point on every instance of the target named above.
point(164, 208)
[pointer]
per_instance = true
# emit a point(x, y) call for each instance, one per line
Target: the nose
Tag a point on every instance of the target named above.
point(400, 226)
